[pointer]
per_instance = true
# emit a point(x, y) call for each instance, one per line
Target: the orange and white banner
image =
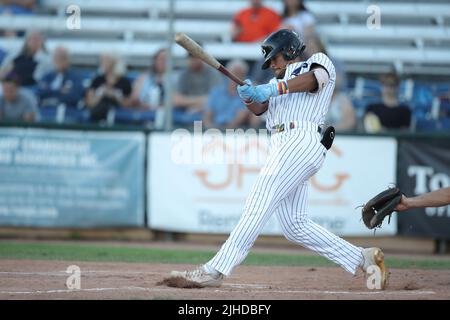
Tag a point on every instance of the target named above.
point(199, 183)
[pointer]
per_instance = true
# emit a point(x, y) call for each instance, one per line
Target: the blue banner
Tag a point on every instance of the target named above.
point(63, 178)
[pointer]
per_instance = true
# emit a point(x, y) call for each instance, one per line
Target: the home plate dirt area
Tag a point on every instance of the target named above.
point(43, 279)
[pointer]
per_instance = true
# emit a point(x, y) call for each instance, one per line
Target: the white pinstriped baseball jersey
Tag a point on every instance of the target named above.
point(302, 106)
point(281, 188)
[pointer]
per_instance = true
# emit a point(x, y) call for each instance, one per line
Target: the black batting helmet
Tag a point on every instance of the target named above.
point(286, 41)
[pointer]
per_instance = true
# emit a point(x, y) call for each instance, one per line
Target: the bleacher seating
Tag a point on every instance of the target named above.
point(433, 125)
point(414, 38)
point(128, 116)
point(226, 8)
point(407, 37)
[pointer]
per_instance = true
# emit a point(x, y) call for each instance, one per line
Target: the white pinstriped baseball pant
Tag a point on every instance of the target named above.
point(282, 187)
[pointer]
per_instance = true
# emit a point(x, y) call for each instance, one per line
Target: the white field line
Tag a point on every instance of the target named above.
point(403, 292)
point(259, 288)
point(132, 288)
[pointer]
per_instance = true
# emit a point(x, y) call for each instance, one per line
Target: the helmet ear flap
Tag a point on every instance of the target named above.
point(302, 48)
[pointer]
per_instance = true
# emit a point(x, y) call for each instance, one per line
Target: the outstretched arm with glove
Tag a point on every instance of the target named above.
point(380, 206)
point(437, 198)
point(390, 200)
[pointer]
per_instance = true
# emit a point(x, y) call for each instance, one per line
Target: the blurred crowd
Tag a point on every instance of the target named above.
point(38, 85)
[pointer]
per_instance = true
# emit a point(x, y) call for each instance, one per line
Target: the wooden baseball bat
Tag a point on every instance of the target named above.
point(195, 50)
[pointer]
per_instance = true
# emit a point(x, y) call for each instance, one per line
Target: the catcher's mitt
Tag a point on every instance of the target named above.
point(380, 206)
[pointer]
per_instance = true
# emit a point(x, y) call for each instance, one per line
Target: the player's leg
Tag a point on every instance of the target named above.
point(291, 154)
point(297, 227)
point(278, 178)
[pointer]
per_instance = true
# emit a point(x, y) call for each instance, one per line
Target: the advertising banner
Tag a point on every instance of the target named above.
point(199, 183)
point(63, 178)
point(424, 167)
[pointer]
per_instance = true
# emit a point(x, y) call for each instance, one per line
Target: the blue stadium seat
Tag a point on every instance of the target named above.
point(180, 117)
point(48, 114)
point(351, 83)
point(123, 115)
point(133, 75)
point(433, 125)
point(75, 115)
point(445, 123)
point(422, 96)
point(444, 108)
point(86, 76)
point(441, 89)
point(371, 88)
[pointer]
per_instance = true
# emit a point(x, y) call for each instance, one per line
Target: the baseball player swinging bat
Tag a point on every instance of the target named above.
point(195, 50)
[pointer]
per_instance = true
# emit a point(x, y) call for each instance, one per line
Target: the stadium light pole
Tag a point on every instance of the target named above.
point(168, 121)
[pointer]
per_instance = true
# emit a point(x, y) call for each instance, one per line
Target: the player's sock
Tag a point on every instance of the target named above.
point(211, 271)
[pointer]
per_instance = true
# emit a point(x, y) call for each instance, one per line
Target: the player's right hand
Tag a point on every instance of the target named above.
point(247, 91)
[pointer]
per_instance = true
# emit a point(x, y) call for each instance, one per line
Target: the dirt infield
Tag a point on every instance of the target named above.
point(38, 279)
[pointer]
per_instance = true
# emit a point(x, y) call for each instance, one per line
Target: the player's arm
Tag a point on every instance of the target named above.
point(436, 198)
point(309, 81)
point(257, 108)
point(248, 95)
point(312, 81)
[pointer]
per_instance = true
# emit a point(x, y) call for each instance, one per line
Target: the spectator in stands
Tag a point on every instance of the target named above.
point(31, 63)
point(444, 104)
point(2, 55)
point(298, 18)
point(191, 94)
point(389, 114)
point(341, 114)
point(224, 108)
point(17, 104)
point(61, 86)
point(254, 23)
point(110, 89)
point(15, 7)
point(148, 89)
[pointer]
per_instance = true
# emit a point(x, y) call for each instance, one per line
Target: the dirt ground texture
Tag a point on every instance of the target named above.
point(39, 279)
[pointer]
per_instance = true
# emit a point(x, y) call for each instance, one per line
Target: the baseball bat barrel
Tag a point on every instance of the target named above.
point(196, 51)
